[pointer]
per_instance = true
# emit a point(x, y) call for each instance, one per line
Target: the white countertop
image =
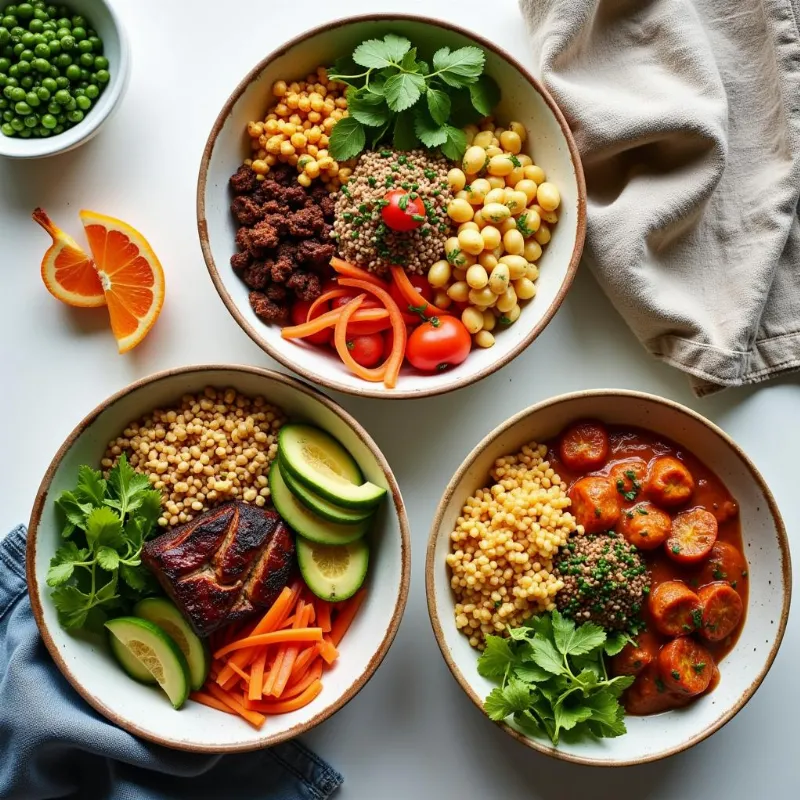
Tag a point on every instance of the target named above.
point(412, 732)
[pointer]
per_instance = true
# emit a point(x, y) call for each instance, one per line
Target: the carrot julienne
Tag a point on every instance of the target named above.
point(328, 320)
point(273, 637)
point(324, 615)
point(411, 295)
point(328, 650)
point(345, 617)
point(286, 706)
point(257, 676)
point(314, 673)
point(373, 374)
point(325, 297)
point(349, 270)
point(256, 720)
point(211, 702)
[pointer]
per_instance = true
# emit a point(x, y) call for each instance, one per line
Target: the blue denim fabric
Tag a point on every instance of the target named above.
point(53, 745)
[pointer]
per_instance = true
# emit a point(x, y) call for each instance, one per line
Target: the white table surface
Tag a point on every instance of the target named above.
point(411, 733)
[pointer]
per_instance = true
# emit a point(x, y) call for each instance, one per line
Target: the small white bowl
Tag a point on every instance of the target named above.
point(766, 550)
point(105, 21)
point(86, 661)
point(523, 99)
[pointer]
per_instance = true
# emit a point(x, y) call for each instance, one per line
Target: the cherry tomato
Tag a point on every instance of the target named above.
point(438, 344)
point(366, 350)
point(400, 210)
point(420, 283)
point(299, 315)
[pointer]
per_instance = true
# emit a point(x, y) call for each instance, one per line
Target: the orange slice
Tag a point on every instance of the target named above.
point(67, 271)
point(130, 274)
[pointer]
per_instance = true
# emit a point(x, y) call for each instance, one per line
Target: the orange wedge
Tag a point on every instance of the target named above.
point(67, 271)
point(130, 274)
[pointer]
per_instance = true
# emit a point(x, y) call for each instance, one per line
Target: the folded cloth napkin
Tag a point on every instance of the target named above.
point(687, 117)
point(54, 745)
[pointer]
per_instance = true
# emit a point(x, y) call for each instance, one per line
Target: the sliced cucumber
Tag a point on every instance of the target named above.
point(319, 505)
point(318, 461)
point(164, 614)
point(333, 573)
point(129, 662)
point(306, 523)
point(157, 652)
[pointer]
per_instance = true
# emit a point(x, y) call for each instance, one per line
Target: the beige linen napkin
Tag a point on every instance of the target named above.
point(687, 117)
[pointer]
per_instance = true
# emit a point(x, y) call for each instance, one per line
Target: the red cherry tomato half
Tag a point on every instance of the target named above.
point(400, 210)
point(366, 350)
point(299, 316)
point(436, 347)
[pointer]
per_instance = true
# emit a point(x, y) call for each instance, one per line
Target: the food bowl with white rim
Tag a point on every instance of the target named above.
point(549, 142)
point(87, 662)
point(649, 738)
point(105, 20)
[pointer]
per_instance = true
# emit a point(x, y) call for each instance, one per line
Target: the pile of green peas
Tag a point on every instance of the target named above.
point(52, 69)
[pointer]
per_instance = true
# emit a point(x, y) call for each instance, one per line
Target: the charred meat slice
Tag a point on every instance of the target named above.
point(223, 566)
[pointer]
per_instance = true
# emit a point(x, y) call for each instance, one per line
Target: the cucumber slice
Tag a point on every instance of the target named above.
point(129, 662)
point(164, 614)
point(319, 505)
point(333, 573)
point(318, 461)
point(157, 652)
point(306, 523)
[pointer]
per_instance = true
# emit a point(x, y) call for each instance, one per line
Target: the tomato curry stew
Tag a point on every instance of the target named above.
point(661, 556)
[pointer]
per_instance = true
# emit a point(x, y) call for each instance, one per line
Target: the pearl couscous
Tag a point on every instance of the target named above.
point(504, 544)
point(212, 447)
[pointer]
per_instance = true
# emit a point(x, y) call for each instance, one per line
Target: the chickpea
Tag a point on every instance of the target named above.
point(513, 242)
point(543, 234)
point(456, 179)
point(471, 241)
point(491, 237)
point(311, 168)
point(488, 261)
point(484, 339)
point(496, 182)
point(499, 165)
point(260, 167)
point(550, 217)
point(304, 180)
point(499, 280)
point(524, 288)
point(493, 150)
point(271, 127)
point(472, 319)
point(519, 129)
point(510, 141)
point(274, 144)
point(534, 173)
point(287, 149)
point(459, 210)
point(279, 88)
point(532, 251)
point(298, 141)
point(468, 226)
point(516, 201)
point(507, 300)
point(515, 176)
point(459, 292)
point(532, 272)
point(474, 158)
point(495, 212)
point(479, 220)
point(509, 225)
point(483, 140)
point(528, 188)
point(441, 300)
point(439, 274)
point(482, 297)
point(516, 265)
point(495, 196)
point(477, 277)
point(548, 196)
point(313, 134)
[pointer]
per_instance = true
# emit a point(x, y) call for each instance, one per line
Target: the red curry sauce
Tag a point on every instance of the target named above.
point(725, 563)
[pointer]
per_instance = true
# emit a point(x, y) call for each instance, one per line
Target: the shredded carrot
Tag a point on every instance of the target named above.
point(257, 675)
point(241, 673)
point(410, 294)
point(352, 271)
point(346, 616)
point(328, 650)
point(286, 706)
point(372, 374)
point(303, 661)
point(290, 654)
point(325, 297)
point(273, 637)
point(324, 615)
point(366, 328)
point(299, 622)
point(211, 702)
point(256, 720)
point(314, 673)
point(328, 320)
point(288, 623)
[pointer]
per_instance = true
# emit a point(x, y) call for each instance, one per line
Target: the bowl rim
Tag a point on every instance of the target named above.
point(278, 354)
point(90, 126)
point(375, 660)
point(783, 545)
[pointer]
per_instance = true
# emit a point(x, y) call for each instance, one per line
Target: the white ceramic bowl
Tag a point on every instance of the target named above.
point(523, 99)
point(86, 661)
point(105, 21)
point(766, 549)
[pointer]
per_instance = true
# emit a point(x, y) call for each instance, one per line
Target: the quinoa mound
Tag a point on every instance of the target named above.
point(364, 239)
point(605, 581)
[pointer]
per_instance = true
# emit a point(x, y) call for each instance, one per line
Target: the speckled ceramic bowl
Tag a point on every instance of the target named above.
point(766, 549)
point(86, 661)
point(523, 98)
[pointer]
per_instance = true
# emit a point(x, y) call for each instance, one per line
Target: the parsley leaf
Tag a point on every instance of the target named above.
point(502, 702)
point(380, 53)
point(572, 641)
point(484, 94)
point(545, 655)
point(368, 108)
point(125, 484)
point(616, 641)
point(438, 105)
point(402, 91)
point(456, 143)
point(428, 132)
point(104, 527)
point(459, 67)
point(496, 658)
point(347, 139)
point(91, 487)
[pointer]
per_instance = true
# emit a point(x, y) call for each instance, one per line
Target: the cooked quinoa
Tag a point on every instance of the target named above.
point(605, 580)
point(362, 236)
point(207, 449)
point(502, 549)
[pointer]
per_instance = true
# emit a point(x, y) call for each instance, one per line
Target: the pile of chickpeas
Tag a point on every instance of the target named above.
point(504, 207)
point(502, 549)
point(297, 130)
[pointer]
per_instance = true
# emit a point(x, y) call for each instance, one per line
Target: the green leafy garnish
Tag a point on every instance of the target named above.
point(398, 96)
point(553, 678)
point(106, 523)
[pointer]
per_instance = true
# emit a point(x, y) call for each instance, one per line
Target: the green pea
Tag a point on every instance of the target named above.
point(8, 21)
point(8, 91)
point(49, 121)
point(101, 62)
point(32, 99)
point(8, 116)
point(92, 92)
point(26, 82)
point(6, 129)
point(86, 60)
point(43, 93)
point(85, 74)
point(85, 46)
point(11, 9)
point(67, 42)
point(41, 65)
point(64, 22)
point(79, 92)
point(12, 81)
point(25, 133)
point(49, 26)
point(18, 48)
point(49, 84)
point(36, 25)
point(16, 33)
point(61, 118)
point(27, 39)
point(79, 33)
point(79, 22)
point(49, 37)
point(5, 36)
point(53, 107)
point(17, 124)
point(41, 51)
point(82, 86)
point(24, 10)
point(5, 63)
point(22, 108)
point(4, 104)
point(42, 132)
point(26, 55)
point(103, 76)
point(52, 11)
point(84, 103)
point(24, 67)
point(63, 60)
point(7, 51)
point(62, 97)
point(38, 38)
point(62, 82)
point(73, 72)
point(31, 121)
point(40, 13)
point(97, 44)
point(54, 72)
point(75, 116)
point(54, 45)
point(63, 31)
point(58, 129)
point(72, 105)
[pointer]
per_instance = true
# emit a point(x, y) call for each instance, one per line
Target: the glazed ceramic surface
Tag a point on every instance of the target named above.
point(86, 661)
point(549, 143)
point(105, 21)
point(766, 549)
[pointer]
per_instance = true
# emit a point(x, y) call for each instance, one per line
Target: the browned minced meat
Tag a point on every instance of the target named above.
point(283, 239)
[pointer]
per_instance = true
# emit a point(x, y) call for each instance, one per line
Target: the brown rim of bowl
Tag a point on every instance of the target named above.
point(278, 355)
point(783, 543)
point(374, 663)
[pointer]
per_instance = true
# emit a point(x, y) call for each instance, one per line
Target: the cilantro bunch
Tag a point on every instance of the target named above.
point(399, 96)
point(553, 678)
point(98, 571)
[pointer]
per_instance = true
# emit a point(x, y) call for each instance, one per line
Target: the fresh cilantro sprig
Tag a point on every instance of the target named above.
point(394, 95)
point(106, 522)
point(553, 678)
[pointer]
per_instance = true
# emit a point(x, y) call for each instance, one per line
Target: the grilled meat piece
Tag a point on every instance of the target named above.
point(223, 566)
